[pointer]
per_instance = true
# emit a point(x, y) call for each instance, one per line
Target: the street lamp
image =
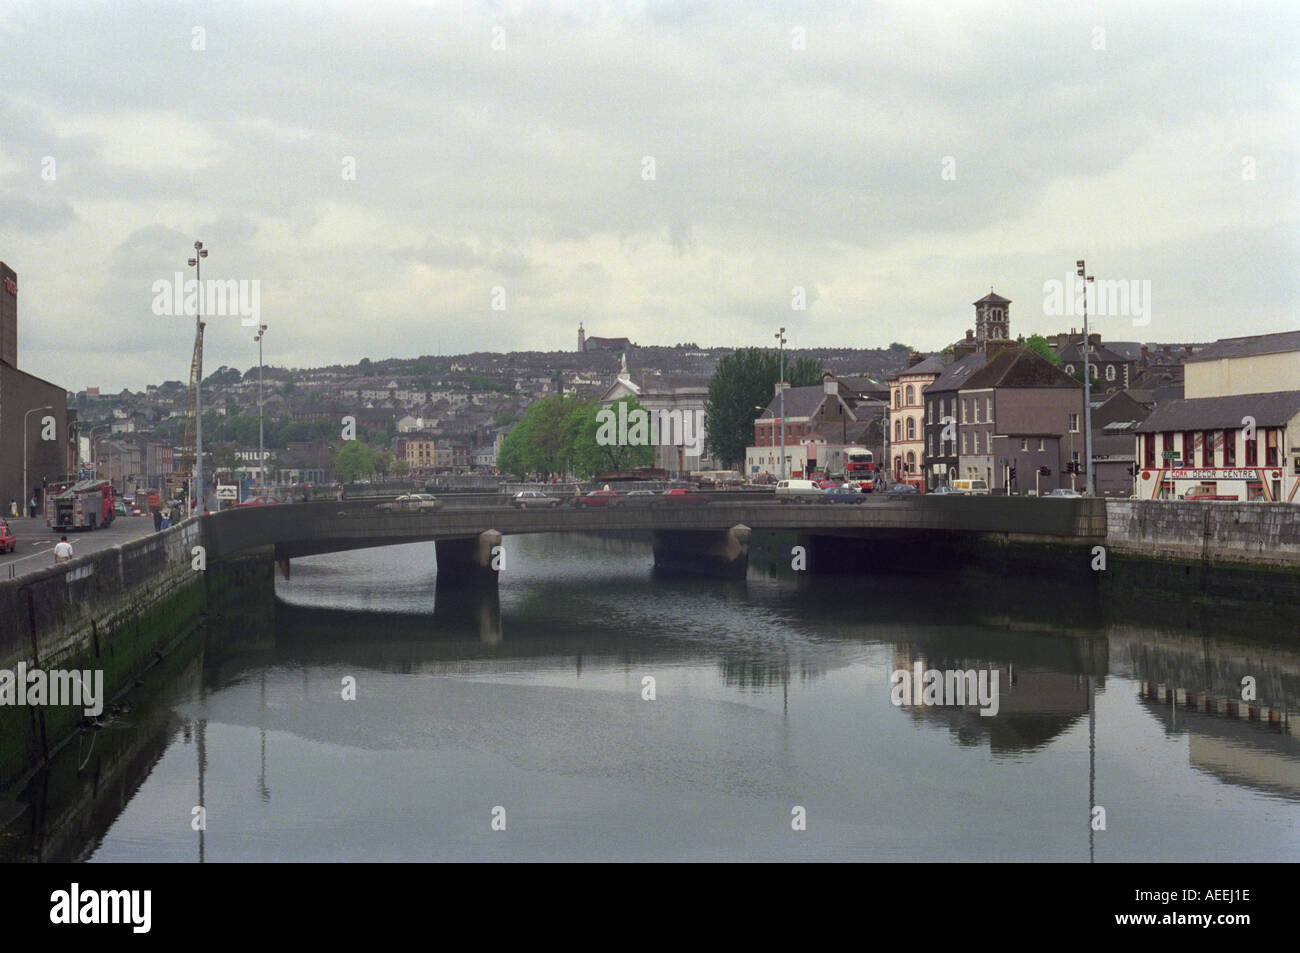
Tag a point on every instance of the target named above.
point(34, 410)
point(261, 454)
point(196, 263)
point(1087, 383)
point(780, 384)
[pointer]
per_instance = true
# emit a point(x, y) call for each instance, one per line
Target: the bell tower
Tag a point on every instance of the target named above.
point(582, 338)
point(992, 319)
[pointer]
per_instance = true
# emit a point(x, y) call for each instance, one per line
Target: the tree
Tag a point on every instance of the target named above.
point(597, 447)
point(544, 440)
point(743, 381)
point(401, 468)
point(900, 348)
point(354, 461)
point(1038, 344)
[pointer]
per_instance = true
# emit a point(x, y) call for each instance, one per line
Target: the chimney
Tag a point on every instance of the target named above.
point(830, 385)
point(1144, 354)
point(914, 359)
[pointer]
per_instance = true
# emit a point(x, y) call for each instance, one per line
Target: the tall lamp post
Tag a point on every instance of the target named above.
point(780, 385)
point(196, 263)
point(1087, 382)
point(261, 453)
point(34, 410)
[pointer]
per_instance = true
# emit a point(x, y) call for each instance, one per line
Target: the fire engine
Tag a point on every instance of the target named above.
point(83, 505)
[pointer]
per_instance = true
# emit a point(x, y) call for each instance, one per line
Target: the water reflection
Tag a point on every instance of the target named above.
point(770, 692)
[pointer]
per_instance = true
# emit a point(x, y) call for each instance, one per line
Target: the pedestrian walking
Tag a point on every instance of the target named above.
point(157, 520)
point(33, 506)
point(63, 551)
point(13, 506)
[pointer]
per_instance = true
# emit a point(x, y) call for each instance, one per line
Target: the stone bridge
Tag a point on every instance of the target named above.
point(710, 538)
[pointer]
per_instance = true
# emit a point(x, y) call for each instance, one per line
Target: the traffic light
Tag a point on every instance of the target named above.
point(1012, 475)
point(1044, 471)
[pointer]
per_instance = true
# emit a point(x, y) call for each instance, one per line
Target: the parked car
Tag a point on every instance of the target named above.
point(824, 484)
point(1063, 492)
point(684, 496)
point(843, 494)
point(796, 491)
point(901, 489)
point(945, 491)
point(596, 498)
point(527, 498)
point(8, 541)
point(411, 503)
point(641, 498)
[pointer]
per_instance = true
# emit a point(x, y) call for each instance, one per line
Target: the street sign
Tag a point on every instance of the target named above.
point(1169, 454)
point(227, 491)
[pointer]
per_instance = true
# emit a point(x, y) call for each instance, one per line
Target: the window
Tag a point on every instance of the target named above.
point(1270, 447)
point(1040, 444)
point(911, 395)
point(911, 462)
point(1252, 451)
point(1207, 448)
point(1024, 443)
point(1069, 368)
point(911, 428)
point(929, 444)
point(1189, 448)
point(929, 409)
point(965, 411)
point(988, 408)
point(964, 446)
point(898, 398)
point(1074, 423)
point(1148, 449)
point(1092, 369)
point(1167, 442)
point(1110, 372)
point(988, 441)
point(898, 431)
point(1230, 448)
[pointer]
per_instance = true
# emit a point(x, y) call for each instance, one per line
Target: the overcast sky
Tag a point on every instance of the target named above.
point(794, 145)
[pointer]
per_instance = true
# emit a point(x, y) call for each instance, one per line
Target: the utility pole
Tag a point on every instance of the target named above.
point(197, 264)
point(261, 453)
point(1087, 382)
point(780, 337)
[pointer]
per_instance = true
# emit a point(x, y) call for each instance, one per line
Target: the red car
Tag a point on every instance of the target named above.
point(596, 498)
point(8, 541)
point(257, 501)
point(685, 496)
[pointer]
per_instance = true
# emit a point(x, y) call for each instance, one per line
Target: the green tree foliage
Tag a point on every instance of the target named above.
point(544, 440)
point(1038, 343)
point(744, 380)
point(597, 448)
point(354, 461)
point(900, 348)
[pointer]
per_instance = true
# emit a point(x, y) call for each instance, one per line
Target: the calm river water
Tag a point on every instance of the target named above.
point(772, 705)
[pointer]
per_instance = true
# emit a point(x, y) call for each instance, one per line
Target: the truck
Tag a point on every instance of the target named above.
point(846, 462)
point(86, 504)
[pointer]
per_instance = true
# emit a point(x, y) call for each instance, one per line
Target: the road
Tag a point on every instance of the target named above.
point(36, 542)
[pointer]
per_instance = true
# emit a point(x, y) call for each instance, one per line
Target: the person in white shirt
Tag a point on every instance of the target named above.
point(63, 551)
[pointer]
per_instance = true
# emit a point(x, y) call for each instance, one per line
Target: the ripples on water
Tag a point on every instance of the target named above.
point(770, 693)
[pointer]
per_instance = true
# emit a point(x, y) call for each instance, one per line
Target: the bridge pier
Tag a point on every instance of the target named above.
point(718, 552)
point(467, 563)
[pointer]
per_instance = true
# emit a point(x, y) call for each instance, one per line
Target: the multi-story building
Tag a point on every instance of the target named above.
point(677, 402)
point(1260, 364)
point(941, 415)
point(906, 428)
point(420, 453)
point(1019, 411)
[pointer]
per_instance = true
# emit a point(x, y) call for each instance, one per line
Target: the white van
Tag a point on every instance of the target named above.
point(793, 491)
point(972, 487)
